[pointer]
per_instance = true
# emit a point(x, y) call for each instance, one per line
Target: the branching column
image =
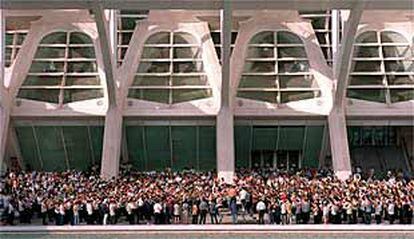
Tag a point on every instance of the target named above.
point(341, 160)
point(225, 118)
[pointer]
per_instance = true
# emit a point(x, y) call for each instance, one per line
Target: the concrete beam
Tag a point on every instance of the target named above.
point(2, 56)
point(225, 27)
point(341, 160)
point(313, 5)
point(112, 143)
point(344, 57)
point(107, 53)
point(113, 121)
point(4, 131)
point(225, 118)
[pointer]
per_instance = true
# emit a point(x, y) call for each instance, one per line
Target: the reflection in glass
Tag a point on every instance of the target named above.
point(46, 67)
point(82, 52)
point(45, 95)
point(288, 96)
point(260, 52)
point(366, 51)
point(301, 81)
point(156, 53)
point(396, 51)
point(258, 82)
point(367, 66)
point(182, 95)
point(50, 52)
point(398, 95)
point(263, 38)
point(367, 37)
point(160, 96)
point(189, 80)
point(151, 80)
point(400, 79)
point(79, 38)
point(43, 80)
point(187, 67)
point(154, 67)
point(266, 96)
point(399, 66)
point(283, 52)
point(293, 66)
point(367, 80)
point(184, 38)
point(376, 95)
point(187, 52)
point(82, 80)
point(284, 37)
point(394, 37)
point(159, 38)
point(82, 67)
point(73, 95)
point(259, 66)
point(54, 38)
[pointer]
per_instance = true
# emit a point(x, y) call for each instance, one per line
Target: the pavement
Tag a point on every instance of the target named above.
point(217, 228)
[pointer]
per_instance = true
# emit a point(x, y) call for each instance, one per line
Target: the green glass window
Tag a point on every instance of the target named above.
point(171, 70)
point(127, 20)
point(269, 144)
point(63, 70)
point(177, 147)
point(277, 62)
point(59, 148)
point(383, 68)
point(321, 23)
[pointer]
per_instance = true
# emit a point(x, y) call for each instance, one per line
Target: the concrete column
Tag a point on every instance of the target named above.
point(225, 144)
point(4, 106)
point(112, 143)
point(113, 122)
point(225, 124)
point(341, 160)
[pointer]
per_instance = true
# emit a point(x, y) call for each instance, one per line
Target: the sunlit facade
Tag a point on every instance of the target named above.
point(160, 101)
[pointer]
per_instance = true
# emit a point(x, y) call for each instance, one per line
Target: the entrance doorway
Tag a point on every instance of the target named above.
point(281, 159)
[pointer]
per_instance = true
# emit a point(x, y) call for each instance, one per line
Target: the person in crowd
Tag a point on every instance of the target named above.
point(304, 196)
point(261, 209)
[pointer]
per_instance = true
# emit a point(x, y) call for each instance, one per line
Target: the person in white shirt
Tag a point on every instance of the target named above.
point(112, 212)
point(89, 212)
point(176, 213)
point(391, 211)
point(157, 212)
point(261, 209)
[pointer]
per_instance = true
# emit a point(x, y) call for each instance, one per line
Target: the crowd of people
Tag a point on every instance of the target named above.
point(263, 196)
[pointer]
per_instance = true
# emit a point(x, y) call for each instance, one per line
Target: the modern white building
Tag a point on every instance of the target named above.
point(207, 84)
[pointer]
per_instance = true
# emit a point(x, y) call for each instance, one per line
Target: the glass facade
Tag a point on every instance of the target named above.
point(176, 147)
point(59, 148)
point(127, 20)
point(16, 32)
point(276, 69)
point(171, 70)
point(383, 68)
point(276, 144)
point(63, 70)
point(381, 148)
point(321, 23)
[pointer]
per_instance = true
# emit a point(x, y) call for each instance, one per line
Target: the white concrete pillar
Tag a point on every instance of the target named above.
point(4, 106)
point(4, 130)
point(112, 143)
point(225, 125)
point(341, 160)
point(225, 144)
